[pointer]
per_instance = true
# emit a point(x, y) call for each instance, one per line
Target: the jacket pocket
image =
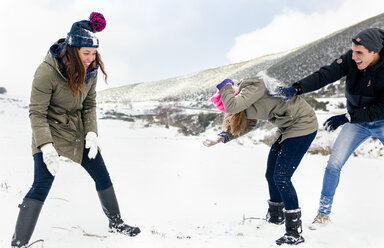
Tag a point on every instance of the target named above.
point(62, 131)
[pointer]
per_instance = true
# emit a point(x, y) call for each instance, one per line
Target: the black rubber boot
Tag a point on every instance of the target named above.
point(111, 209)
point(26, 221)
point(293, 228)
point(275, 213)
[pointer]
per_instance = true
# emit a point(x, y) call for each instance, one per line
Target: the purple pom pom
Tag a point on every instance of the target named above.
point(98, 21)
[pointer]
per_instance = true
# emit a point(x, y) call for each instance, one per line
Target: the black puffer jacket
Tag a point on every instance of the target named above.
point(364, 89)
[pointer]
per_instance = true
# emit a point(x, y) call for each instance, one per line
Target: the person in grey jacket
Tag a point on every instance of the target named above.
point(63, 118)
point(297, 127)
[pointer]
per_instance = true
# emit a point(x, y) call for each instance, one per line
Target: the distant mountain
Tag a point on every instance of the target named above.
point(196, 86)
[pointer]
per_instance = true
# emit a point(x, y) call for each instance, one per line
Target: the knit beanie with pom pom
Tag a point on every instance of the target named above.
point(82, 33)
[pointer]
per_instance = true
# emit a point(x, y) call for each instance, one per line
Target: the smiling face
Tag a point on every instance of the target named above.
point(87, 55)
point(363, 57)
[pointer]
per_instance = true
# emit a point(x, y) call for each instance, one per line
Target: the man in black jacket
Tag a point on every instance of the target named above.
point(363, 67)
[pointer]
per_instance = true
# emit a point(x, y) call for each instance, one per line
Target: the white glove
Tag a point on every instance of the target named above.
point(213, 140)
point(51, 158)
point(91, 143)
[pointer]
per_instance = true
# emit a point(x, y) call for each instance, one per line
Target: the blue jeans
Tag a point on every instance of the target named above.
point(43, 179)
point(349, 138)
point(283, 160)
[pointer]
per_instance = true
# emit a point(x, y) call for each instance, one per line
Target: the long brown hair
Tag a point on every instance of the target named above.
point(75, 69)
point(235, 123)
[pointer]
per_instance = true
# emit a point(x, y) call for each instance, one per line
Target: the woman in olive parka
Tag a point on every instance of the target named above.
point(297, 127)
point(62, 111)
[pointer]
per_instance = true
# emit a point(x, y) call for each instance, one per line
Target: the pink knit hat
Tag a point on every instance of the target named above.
point(216, 99)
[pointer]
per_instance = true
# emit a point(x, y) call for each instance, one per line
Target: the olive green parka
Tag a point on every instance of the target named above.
point(57, 115)
point(293, 118)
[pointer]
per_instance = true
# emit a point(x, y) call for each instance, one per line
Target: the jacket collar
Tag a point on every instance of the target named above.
point(378, 65)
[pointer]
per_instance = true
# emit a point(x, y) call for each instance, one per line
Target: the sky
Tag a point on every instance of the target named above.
point(147, 40)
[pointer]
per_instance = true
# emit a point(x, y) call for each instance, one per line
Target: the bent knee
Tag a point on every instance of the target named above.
point(334, 165)
point(282, 182)
point(332, 170)
point(269, 177)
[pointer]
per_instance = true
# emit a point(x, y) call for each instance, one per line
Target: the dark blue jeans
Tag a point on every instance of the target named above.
point(43, 179)
point(283, 160)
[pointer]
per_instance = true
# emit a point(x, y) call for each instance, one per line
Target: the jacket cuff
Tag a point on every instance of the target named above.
point(225, 136)
point(40, 142)
point(222, 84)
point(298, 88)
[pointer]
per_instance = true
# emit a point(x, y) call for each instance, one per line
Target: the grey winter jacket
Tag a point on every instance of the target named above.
point(293, 118)
point(56, 115)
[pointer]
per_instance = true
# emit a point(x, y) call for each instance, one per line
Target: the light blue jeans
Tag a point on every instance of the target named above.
point(350, 137)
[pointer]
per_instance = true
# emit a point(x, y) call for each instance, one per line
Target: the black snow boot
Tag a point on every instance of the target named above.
point(275, 213)
point(26, 221)
point(111, 209)
point(292, 227)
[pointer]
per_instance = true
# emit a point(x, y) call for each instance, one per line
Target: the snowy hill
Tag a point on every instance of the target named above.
point(196, 86)
point(180, 193)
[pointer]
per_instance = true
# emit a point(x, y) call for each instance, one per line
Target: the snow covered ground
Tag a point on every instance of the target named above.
point(180, 193)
